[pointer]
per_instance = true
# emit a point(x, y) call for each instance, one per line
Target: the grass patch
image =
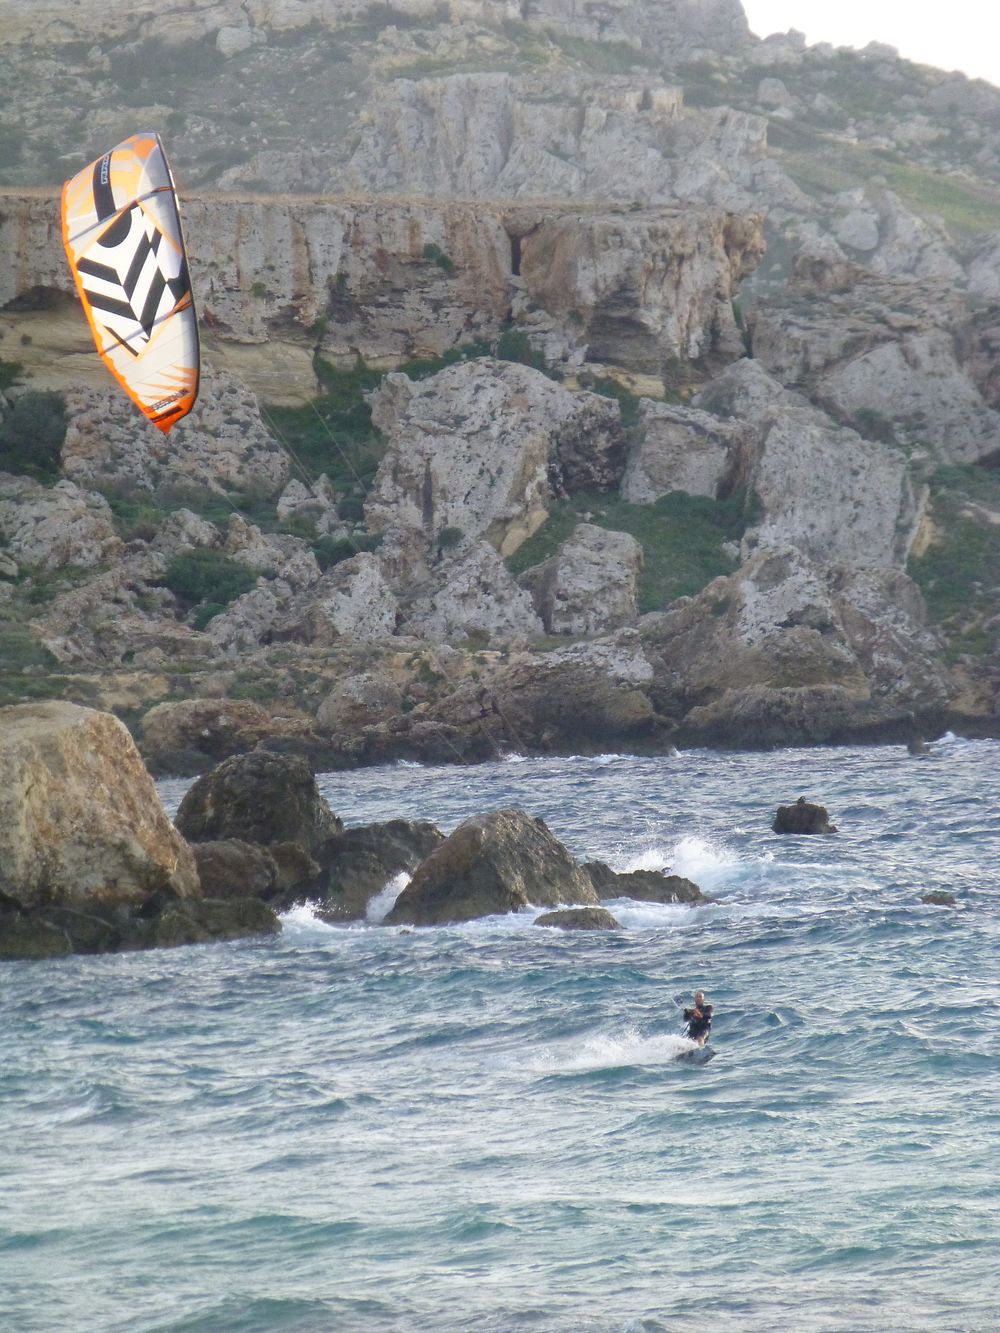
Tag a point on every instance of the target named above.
point(207, 578)
point(681, 536)
point(960, 575)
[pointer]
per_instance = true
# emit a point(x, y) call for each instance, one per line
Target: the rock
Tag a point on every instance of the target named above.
point(680, 449)
point(579, 918)
point(802, 817)
point(472, 449)
point(81, 824)
point(917, 746)
point(590, 586)
point(56, 528)
point(360, 862)
point(235, 869)
point(351, 601)
point(494, 863)
point(30, 938)
point(259, 798)
point(360, 700)
point(939, 899)
point(785, 648)
point(839, 498)
point(208, 921)
point(475, 596)
point(223, 446)
point(187, 737)
point(184, 531)
point(649, 886)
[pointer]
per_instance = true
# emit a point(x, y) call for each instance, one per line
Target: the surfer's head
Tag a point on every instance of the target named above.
point(699, 998)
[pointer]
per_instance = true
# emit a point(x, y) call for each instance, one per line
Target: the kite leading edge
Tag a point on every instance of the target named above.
point(122, 233)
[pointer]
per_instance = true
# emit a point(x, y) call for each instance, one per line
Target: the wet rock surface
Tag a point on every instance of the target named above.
point(802, 817)
point(579, 918)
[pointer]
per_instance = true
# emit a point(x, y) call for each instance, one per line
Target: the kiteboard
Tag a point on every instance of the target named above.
point(699, 1056)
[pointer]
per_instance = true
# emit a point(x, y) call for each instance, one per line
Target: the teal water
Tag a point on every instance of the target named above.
point(486, 1127)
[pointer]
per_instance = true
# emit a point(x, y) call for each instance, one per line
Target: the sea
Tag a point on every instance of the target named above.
point(487, 1127)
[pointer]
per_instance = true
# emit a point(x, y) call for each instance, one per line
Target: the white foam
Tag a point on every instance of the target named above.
point(383, 902)
point(514, 758)
point(698, 859)
point(614, 1051)
point(301, 922)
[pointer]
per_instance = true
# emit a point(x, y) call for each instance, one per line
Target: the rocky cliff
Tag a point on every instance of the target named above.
point(512, 434)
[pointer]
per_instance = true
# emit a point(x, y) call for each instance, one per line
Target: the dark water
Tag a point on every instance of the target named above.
point(486, 1127)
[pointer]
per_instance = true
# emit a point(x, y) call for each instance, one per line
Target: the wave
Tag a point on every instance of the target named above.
point(383, 902)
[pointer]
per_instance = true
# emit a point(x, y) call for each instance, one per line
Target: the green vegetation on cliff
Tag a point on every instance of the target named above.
point(681, 536)
point(959, 574)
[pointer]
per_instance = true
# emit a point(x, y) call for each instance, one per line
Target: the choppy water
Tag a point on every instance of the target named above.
point(486, 1128)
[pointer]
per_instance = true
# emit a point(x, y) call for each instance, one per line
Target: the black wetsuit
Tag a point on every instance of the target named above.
point(699, 1022)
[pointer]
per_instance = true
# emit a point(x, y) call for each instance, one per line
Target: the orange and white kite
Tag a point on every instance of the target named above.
point(123, 239)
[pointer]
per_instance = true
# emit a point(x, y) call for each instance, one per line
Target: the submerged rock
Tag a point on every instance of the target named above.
point(802, 817)
point(492, 863)
point(647, 886)
point(939, 899)
point(579, 918)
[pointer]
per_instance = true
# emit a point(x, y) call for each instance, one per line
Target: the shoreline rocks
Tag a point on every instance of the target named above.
point(89, 861)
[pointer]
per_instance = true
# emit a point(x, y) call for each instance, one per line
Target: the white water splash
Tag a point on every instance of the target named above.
point(383, 902)
point(605, 1050)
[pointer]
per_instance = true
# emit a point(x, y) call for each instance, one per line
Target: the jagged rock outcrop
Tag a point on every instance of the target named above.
point(474, 596)
point(474, 447)
point(234, 869)
point(222, 446)
point(55, 527)
point(494, 863)
point(649, 886)
point(681, 449)
point(744, 653)
point(590, 585)
point(837, 497)
point(189, 736)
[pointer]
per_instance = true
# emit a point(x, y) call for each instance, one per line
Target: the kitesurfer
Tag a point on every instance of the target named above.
point(699, 1019)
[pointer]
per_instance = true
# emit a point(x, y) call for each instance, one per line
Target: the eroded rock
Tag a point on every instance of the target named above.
point(579, 918)
point(494, 863)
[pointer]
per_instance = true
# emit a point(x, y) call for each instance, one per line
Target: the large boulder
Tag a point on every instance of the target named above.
point(476, 448)
point(81, 823)
point(590, 586)
point(232, 868)
point(57, 527)
point(260, 798)
point(680, 449)
point(492, 863)
point(89, 862)
point(473, 594)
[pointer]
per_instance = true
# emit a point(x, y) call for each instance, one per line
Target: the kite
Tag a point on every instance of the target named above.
point(123, 239)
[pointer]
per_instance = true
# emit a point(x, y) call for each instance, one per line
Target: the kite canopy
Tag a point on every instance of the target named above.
point(123, 239)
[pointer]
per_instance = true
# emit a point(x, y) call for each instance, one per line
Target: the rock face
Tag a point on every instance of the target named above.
point(89, 862)
point(189, 736)
point(474, 595)
point(590, 585)
point(473, 448)
point(81, 823)
point(802, 817)
point(492, 863)
point(579, 918)
point(680, 449)
point(58, 527)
